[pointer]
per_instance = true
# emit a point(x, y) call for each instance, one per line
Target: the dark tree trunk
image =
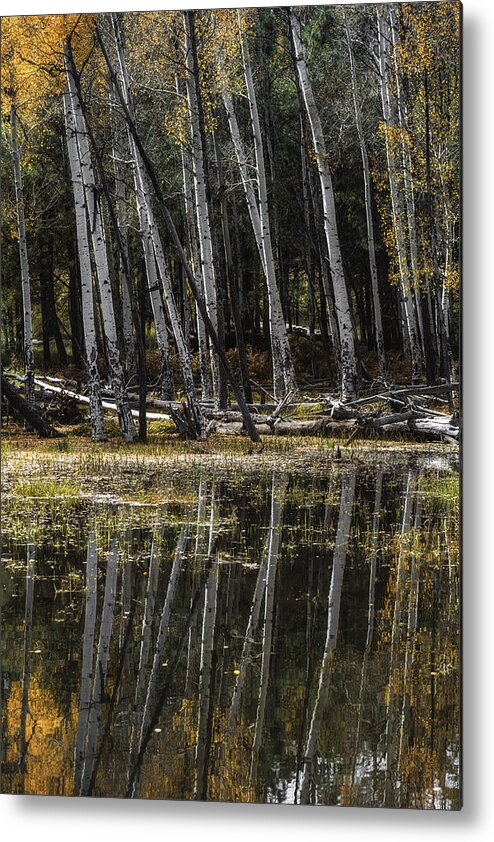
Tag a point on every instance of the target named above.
point(231, 276)
point(51, 327)
point(27, 411)
point(75, 314)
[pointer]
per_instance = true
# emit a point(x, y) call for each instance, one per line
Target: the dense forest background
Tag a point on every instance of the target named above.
point(207, 203)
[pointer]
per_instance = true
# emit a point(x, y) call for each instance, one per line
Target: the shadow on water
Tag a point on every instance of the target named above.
point(279, 639)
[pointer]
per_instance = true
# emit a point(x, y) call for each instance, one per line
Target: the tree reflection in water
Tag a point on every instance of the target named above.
point(279, 639)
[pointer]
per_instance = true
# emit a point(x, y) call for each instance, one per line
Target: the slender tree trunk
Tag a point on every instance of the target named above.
point(129, 347)
point(231, 276)
point(152, 234)
point(95, 220)
point(396, 190)
point(284, 380)
point(166, 372)
point(343, 312)
point(422, 295)
point(368, 209)
point(149, 169)
point(201, 185)
point(75, 313)
point(87, 295)
point(24, 262)
point(187, 175)
point(445, 349)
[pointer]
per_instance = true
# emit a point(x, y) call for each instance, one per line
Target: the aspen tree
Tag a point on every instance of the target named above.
point(342, 303)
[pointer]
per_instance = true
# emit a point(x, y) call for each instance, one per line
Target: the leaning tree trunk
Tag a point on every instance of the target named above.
point(87, 296)
point(95, 219)
point(27, 411)
point(148, 168)
point(25, 279)
point(344, 316)
point(152, 236)
point(368, 210)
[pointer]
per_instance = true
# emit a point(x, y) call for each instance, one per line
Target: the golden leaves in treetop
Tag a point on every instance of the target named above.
point(32, 56)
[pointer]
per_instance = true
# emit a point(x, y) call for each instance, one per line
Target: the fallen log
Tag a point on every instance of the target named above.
point(396, 393)
point(159, 416)
point(407, 424)
point(27, 411)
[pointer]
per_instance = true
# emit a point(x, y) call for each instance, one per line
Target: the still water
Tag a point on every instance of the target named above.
point(266, 638)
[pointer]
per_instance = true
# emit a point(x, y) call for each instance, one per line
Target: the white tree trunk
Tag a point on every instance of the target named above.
point(284, 380)
point(342, 304)
point(95, 220)
point(202, 342)
point(87, 294)
point(200, 190)
point(166, 377)
point(24, 262)
point(409, 190)
point(153, 234)
point(397, 204)
point(368, 209)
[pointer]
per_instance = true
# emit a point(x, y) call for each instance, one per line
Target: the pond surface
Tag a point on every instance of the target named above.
point(271, 638)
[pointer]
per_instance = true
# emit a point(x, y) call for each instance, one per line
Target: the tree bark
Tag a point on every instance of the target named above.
point(251, 430)
point(27, 411)
point(202, 343)
point(98, 237)
point(368, 209)
point(396, 191)
point(129, 348)
point(284, 380)
point(87, 295)
point(343, 313)
point(201, 189)
point(151, 230)
point(232, 280)
point(24, 261)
